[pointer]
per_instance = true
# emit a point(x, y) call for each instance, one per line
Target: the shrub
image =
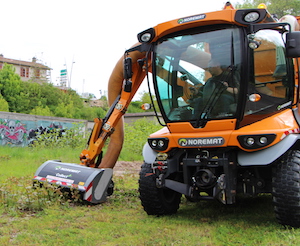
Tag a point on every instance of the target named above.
point(58, 138)
point(136, 135)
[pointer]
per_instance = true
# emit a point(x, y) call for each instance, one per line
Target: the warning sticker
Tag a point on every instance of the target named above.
point(70, 181)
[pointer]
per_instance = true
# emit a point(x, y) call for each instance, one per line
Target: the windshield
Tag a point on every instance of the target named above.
point(271, 86)
point(197, 75)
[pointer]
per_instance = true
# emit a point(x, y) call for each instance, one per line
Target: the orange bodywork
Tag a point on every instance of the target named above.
point(279, 124)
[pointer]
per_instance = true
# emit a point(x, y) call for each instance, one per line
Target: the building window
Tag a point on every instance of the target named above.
point(37, 73)
point(24, 72)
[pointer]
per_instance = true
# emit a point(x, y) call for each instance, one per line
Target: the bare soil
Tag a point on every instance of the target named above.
point(131, 167)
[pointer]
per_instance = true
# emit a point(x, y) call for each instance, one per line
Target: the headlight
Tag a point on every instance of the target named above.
point(146, 36)
point(250, 141)
point(161, 143)
point(256, 141)
point(154, 143)
point(263, 140)
point(251, 17)
point(158, 143)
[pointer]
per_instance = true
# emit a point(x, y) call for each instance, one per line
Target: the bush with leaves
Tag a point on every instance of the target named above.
point(10, 87)
point(41, 110)
point(278, 7)
point(3, 104)
point(58, 138)
point(136, 135)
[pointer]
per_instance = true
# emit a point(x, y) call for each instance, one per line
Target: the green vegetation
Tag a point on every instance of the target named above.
point(44, 217)
point(278, 7)
point(47, 100)
point(42, 99)
point(38, 216)
point(136, 135)
point(72, 138)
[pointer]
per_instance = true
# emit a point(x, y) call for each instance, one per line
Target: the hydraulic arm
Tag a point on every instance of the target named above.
point(93, 177)
point(123, 88)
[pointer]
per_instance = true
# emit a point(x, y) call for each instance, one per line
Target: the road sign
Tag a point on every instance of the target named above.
point(63, 72)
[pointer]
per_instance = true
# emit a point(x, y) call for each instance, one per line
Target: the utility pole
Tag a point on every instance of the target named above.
point(71, 72)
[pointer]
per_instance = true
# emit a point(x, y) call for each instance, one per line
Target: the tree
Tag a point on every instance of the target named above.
point(51, 96)
point(278, 7)
point(41, 110)
point(41, 99)
point(3, 104)
point(146, 98)
point(64, 110)
point(10, 87)
point(135, 107)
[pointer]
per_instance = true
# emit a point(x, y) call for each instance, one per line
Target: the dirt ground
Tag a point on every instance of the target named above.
point(122, 167)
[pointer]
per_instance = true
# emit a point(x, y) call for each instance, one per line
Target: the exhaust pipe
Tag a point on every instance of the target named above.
point(92, 182)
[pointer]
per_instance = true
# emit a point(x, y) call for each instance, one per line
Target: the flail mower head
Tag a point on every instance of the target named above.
point(94, 184)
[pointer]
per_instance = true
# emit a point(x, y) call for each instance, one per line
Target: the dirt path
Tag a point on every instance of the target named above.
point(122, 167)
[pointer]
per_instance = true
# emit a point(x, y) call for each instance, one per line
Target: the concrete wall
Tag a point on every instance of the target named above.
point(21, 129)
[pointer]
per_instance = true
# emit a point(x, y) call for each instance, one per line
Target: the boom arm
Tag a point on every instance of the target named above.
point(120, 93)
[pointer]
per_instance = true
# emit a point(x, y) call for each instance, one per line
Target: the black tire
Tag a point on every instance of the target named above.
point(286, 189)
point(156, 201)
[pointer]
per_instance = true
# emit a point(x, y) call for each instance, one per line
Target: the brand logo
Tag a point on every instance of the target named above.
point(213, 141)
point(191, 18)
point(67, 169)
point(63, 175)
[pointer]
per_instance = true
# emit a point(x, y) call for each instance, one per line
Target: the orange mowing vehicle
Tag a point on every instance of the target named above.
point(227, 87)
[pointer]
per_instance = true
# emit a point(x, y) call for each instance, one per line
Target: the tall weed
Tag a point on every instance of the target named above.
point(57, 138)
point(17, 192)
point(18, 195)
point(136, 135)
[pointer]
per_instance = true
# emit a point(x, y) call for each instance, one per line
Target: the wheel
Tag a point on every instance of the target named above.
point(110, 188)
point(156, 201)
point(286, 189)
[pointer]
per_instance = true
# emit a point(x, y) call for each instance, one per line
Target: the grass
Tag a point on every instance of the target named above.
point(39, 217)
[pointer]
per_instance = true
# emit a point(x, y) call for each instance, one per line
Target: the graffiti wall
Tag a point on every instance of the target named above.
point(21, 130)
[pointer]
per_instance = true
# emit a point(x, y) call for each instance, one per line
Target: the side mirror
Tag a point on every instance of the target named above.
point(146, 106)
point(293, 44)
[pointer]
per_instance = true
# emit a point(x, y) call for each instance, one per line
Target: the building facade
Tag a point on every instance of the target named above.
point(32, 71)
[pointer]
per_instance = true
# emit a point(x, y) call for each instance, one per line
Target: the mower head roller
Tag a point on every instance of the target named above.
point(95, 184)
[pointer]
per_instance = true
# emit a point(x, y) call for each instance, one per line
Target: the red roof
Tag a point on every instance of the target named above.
point(23, 63)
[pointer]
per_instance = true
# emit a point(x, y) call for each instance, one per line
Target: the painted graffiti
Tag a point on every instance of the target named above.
point(17, 133)
point(12, 133)
point(34, 134)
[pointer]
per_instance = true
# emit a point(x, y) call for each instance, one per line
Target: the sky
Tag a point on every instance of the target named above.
point(85, 37)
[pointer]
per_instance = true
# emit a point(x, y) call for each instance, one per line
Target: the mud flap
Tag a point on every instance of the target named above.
point(92, 182)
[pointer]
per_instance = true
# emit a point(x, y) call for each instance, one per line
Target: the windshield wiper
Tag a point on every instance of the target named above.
point(214, 97)
point(211, 102)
